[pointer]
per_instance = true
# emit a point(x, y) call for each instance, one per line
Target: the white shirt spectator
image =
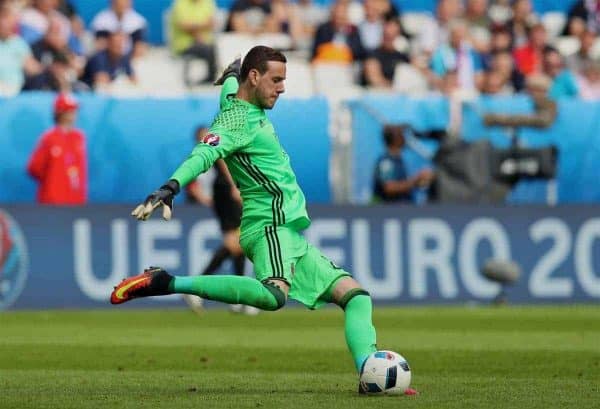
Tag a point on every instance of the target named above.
point(371, 33)
point(131, 23)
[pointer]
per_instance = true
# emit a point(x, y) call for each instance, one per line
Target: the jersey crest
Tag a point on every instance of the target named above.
point(211, 139)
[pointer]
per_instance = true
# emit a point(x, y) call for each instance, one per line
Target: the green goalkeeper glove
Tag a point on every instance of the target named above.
point(161, 197)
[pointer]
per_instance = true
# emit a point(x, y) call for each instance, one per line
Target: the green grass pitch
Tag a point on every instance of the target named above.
point(473, 357)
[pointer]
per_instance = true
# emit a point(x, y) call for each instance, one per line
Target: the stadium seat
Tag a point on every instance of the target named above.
point(414, 22)
point(554, 22)
point(408, 80)
point(499, 14)
point(229, 45)
point(158, 73)
point(335, 81)
point(299, 80)
point(278, 41)
point(567, 45)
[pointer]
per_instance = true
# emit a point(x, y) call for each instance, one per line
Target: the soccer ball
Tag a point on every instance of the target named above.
point(385, 372)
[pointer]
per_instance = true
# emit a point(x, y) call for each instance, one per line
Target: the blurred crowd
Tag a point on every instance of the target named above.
point(485, 46)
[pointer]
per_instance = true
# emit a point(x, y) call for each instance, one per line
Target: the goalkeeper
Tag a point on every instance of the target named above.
point(274, 213)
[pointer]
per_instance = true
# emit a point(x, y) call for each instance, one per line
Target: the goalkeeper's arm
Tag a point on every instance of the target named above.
point(230, 81)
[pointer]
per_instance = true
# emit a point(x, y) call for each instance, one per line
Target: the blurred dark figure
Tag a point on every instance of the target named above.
point(250, 17)
point(584, 56)
point(522, 19)
point(59, 162)
point(121, 17)
point(57, 76)
point(583, 15)
point(381, 64)
point(392, 183)
point(564, 83)
point(338, 40)
point(107, 65)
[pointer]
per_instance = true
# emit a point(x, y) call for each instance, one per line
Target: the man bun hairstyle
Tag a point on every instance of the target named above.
point(257, 59)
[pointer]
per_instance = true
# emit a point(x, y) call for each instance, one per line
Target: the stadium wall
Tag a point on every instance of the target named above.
point(135, 144)
point(72, 257)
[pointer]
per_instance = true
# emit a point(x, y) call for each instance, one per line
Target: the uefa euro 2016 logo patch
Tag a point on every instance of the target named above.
point(13, 260)
point(211, 139)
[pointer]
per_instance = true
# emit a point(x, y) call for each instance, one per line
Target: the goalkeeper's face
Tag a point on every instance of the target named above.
point(270, 84)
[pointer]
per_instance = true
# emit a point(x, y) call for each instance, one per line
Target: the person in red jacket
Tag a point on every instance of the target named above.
point(59, 162)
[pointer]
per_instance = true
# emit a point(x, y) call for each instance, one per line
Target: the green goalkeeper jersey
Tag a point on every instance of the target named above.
point(243, 136)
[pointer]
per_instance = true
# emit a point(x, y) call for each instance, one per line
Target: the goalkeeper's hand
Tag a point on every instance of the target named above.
point(161, 197)
point(232, 70)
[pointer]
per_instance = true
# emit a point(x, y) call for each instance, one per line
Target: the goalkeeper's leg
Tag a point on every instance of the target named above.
point(358, 322)
point(269, 295)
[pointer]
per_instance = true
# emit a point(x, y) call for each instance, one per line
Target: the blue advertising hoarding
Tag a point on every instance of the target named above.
point(72, 257)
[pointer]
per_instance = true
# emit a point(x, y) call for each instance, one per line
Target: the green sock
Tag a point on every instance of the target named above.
point(231, 290)
point(360, 332)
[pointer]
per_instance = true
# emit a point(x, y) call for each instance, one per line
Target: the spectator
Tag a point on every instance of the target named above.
point(544, 108)
point(371, 28)
point(284, 20)
point(564, 83)
point(16, 59)
point(500, 39)
point(458, 56)
point(435, 33)
point(380, 65)
point(522, 19)
point(588, 81)
point(77, 26)
point(250, 17)
point(121, 17)
point(337, 40)
point(192, 25)
point(57, 76)
point(583, 15)
point(528, 58)
point(503, 64)
point(476, 14)
point(310, 16)
point(53, 44)
point(494, 83)
point(59, 162)
point(392, 183)
point(576, 61)
point(107, 65)
point(389, 11)
point(35, 20)
point(478, 23)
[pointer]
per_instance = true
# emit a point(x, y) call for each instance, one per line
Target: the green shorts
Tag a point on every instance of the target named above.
point(282, 253)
